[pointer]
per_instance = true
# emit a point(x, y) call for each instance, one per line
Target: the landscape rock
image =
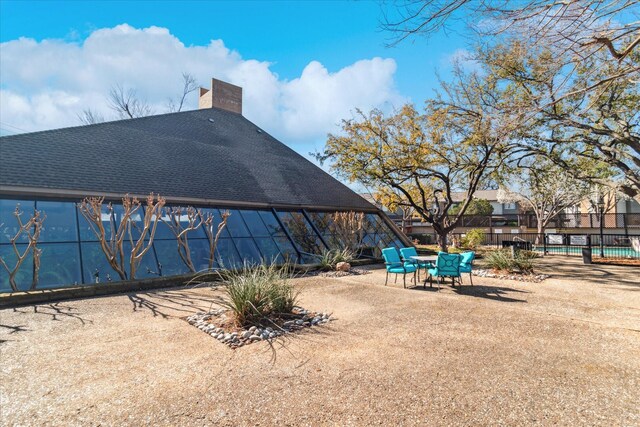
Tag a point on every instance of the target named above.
point(210, 324)
point(343, 266)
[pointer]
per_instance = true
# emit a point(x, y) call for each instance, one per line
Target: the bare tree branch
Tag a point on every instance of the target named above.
point(90, 117)
point(126, 103)
point(188, 85)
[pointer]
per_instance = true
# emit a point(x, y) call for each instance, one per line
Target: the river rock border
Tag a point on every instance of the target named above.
point(210, 323)
point(534, 278)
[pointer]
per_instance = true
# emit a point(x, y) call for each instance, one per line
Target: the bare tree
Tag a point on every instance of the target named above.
point(208, 221)
point(112, 244)
point(543, 188)
point(175, 218)
point(90, 117)
point(348, 227)
point(573, 30)
point(188, 85)
point(126, 103)
point(31, 229)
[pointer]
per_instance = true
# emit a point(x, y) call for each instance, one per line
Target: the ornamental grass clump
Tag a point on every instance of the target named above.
point(330, 258)
point(503, 259)
point(257, 293)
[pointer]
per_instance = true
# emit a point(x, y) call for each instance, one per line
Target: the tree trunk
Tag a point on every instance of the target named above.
point(540, 232)
point(441, 237)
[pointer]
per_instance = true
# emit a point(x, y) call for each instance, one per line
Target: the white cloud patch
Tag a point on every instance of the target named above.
point(46, 84)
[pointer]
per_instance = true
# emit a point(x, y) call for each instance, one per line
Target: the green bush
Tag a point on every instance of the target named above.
point(473, 238)
point(330, 258)
point(256, 292)
point(523, 262)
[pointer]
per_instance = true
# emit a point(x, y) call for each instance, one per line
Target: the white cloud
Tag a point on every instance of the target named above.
point(46, 84)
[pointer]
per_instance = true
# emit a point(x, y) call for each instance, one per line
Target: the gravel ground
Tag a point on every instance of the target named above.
point(561, 352)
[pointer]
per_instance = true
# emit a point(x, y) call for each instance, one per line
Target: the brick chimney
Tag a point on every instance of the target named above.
point(222, 95)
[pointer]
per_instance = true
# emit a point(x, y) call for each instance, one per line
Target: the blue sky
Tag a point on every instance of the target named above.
point(297, 46)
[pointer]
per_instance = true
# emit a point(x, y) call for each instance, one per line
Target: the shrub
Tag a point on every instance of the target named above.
point(256, 292)
point(473, 238)
point(501, 259)
point(330, 258)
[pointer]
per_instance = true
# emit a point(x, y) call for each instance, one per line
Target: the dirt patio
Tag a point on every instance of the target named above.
point(561, 352)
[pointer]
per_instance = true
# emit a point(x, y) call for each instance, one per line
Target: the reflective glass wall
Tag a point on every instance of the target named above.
point(71, 254)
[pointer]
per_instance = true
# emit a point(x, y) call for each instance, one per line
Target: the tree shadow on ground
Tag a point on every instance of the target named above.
point(572, 268)
point(57, 311)
point(171, 303)
point(495, 293)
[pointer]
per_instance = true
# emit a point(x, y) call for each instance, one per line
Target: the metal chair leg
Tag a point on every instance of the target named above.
point(395, 281)
point(471, 278)
point(404, 281)
point(386, 278)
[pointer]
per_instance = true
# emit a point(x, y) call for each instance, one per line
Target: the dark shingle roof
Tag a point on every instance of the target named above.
point(201, 154)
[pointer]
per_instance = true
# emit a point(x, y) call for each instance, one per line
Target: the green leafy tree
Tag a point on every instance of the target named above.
point(476, 207)
point(426, 157)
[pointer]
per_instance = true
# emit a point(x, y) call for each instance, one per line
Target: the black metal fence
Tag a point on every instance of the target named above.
point(612, 246)
point(627, 221)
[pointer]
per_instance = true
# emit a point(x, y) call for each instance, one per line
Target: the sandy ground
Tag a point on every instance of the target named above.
point(562, 352)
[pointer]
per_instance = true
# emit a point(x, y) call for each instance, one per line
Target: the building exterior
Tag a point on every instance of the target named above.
point(213, 158)
point(622, 216)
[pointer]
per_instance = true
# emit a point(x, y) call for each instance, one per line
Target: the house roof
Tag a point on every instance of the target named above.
point(489, 195)
point(207, 155)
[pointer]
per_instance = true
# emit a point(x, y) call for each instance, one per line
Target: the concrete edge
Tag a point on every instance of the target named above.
point(16, 299)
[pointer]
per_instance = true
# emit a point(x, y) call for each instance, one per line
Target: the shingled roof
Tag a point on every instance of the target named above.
point(209, 155)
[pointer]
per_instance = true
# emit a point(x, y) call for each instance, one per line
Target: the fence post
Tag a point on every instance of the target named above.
point(544, 244)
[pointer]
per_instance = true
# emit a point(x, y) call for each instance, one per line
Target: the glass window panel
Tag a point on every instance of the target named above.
point(86, 232)
point(135, 220)
point(301, 232)
point(60, 223)
point(227, 254)
point(164, 232)
point(271, 223)
point(95, 266)
point(24, 276)
point(270, 251)
point(236, 225)
point(9, 225)
point(200, 254)
point(288, 252)
point(371, 223)
point(217, 218)
point(168, 257)
point(296, 223)
point(59, 265)
point(255, 224)
point(334, 241)
point(310, 244)
point(322, 221)
point(248, 251)
point(147, 267)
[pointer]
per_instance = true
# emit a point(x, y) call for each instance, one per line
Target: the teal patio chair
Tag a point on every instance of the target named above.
point(394, 265)
point(447, 265)
point(407, 253)
point(466, 264)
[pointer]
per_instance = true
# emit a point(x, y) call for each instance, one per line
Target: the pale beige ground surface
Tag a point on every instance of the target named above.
point(563, 352)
